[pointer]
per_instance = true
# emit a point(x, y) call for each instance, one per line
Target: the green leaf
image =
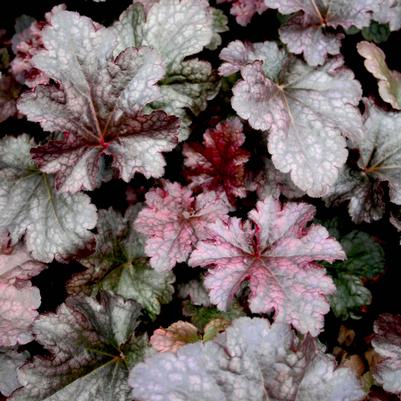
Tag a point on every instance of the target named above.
point(120, 265)
point(376, 32)
point(92, 346)
point(365, 260)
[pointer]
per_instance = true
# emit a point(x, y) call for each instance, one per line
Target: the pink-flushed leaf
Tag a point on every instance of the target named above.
point(251, 361)
point(26, 44)
point(389, 81)
point(174, 337)
point(307, 111)
point(174, 220)
point(276, 253)
point(244, 10)
point(18, 299)
point(387, 343)
point(18, 265)
point(379, 162)
point(219, 164)
point(388, 12)
point(238, 54)
point(18, 310)
point(100, 106)
point(306, 31)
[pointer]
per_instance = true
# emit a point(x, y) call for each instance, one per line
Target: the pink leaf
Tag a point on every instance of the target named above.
point(174, 220)
point(276, 252)
point(18, 299)
point(220, 163)
point(244, 10)
point(174, 337)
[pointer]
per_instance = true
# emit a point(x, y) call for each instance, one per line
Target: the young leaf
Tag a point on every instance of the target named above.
point(92, 345)
point(173, 222)
point(244, 10)
point(387, 343)
point(174, 337)
point(186, 83)
point(380, 161)
point(220, 163)
point(196, 292)
point(276, 253)
point(305, 109)
point(251, 361)
point(100, 107)
point(389, 81)
point(55, 225)
point(119, 264)
point(306, 31)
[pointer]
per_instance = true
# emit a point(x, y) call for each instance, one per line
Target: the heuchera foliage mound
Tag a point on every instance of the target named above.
point(192, 208)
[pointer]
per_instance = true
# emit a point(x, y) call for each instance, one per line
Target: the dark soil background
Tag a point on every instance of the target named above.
point(385, 290)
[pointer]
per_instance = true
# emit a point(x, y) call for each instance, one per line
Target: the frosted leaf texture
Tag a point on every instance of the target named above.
point(276, 253)
point(174, 220)
point(100, 107)
point(10, 361)
point(380, 161)
point(26, 44)
point(176, 29)
point(306, 111)
point(91, 345)
point(244, 10)
point(196, 292)
point(388, 12)
point(389, 81)
point(119, 264)
point(55, 225)
point(387, 343)
point(219, 164)
point(306, 31)
point(251, 361)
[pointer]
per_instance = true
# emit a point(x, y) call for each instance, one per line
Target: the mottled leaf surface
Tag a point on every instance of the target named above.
point(10, 361)
point(119, 264)
point(387, 343)
point(55, 225)
point(275, 253)
point(100, 106)
point(305, 109)
point(389, 81)
point(91, 346)
point(176, 29)
point(251, 361)
point(306, 31)
point(174, 220)
point(379, 162)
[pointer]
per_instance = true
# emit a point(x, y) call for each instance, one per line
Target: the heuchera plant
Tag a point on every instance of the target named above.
point(201, 200)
